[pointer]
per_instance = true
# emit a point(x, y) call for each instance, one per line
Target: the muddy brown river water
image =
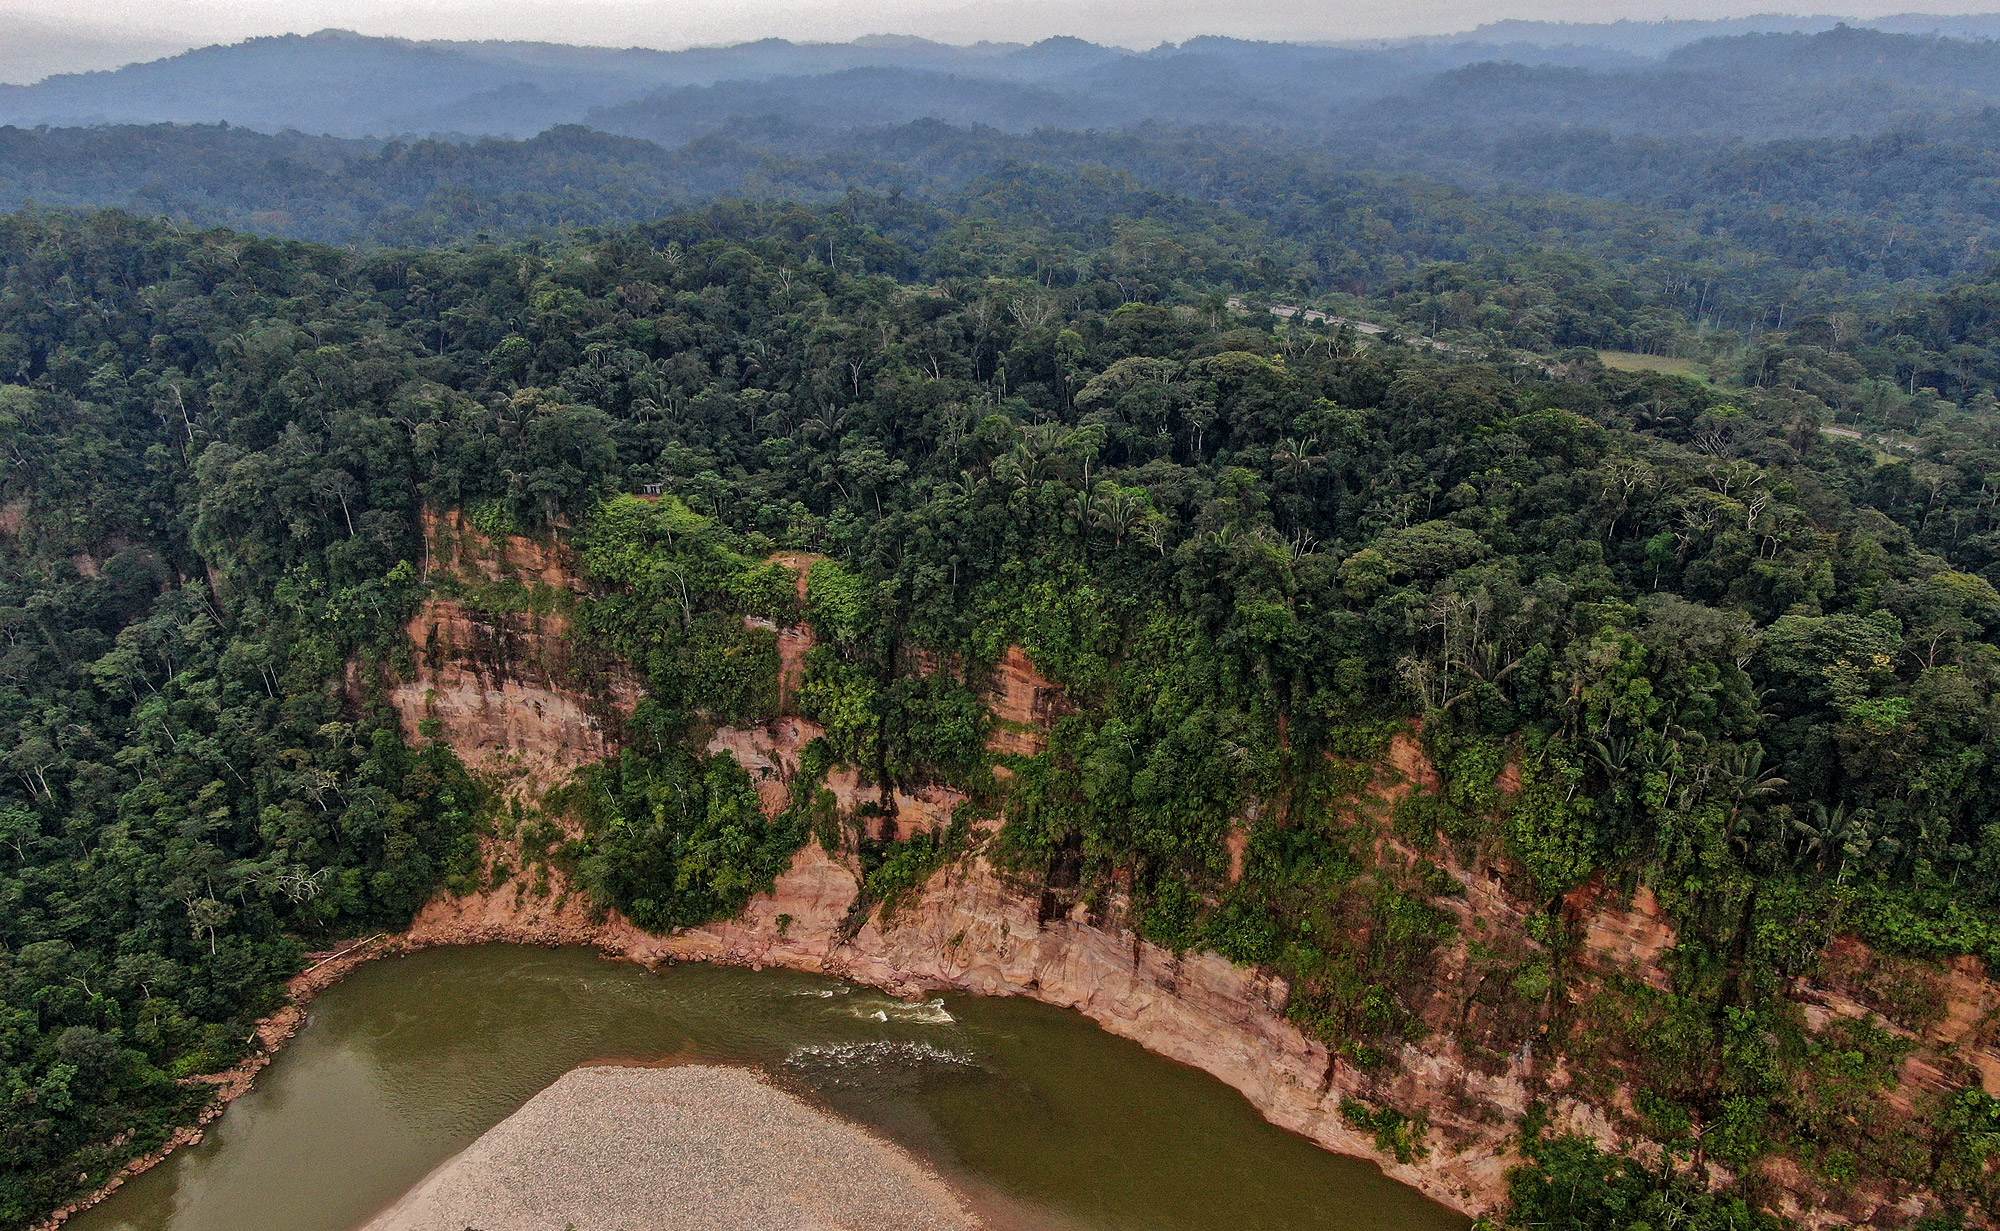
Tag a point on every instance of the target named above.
point(1040, 1118)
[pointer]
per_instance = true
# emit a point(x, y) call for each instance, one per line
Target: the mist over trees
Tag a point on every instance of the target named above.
point(1834, 82)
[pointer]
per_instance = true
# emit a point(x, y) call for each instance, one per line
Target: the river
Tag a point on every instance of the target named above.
point(1041, 1118)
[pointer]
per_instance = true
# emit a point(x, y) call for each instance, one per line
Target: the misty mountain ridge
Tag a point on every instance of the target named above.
point(630, 133)
point(1654, 39)
point(32, 48)
point(344, 84)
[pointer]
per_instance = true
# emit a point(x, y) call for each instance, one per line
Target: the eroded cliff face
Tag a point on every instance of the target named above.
point(499, 677)
point(1023, 703)
point(511, 689)
point(1948, 1019)
point(511, 696)
point(974, 928)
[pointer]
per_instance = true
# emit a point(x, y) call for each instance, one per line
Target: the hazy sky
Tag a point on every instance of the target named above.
point(680, 23)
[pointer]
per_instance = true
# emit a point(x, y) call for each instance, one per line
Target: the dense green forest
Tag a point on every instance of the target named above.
point(1735, 622)
point(1527, 237)
point(1750, 662)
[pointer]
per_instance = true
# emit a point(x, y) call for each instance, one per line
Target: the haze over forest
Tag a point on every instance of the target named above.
point(337, 136)
point(39, 38)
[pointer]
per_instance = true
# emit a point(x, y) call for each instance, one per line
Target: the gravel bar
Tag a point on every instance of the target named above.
point(693, 1148)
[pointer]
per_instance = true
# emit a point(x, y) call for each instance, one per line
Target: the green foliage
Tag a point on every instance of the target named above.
point(934, 729)
point(511, 595)
point(901, 868)
point(1161, 774)
point(1569, 1184)
point(842, 697)
point(837, 603)
point(492, 518)
point(675, 840)
point(1400, 1137)
point(1969, 1138)
point(1549, 823)
point(769, 592)
point(677, 590)
point(1172, 918)
point(1068, 627)
point(1929, 922)
point(1359, 964)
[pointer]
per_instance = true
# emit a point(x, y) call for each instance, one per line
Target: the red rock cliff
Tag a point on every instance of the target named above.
point(510, 688)
point(513, 697)
point(521, 703)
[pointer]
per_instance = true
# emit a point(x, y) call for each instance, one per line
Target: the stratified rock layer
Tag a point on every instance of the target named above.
point(975, 928)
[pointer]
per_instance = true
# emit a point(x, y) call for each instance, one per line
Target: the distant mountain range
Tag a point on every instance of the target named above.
point(345, 84)
point(1809, 135)
point(1657, 38)
point(1842, 79)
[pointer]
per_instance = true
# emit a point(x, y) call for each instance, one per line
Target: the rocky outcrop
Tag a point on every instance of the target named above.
point(1023, 703)
point(1630, 939)
point(771, 755)
point(514, 693)
point(500, 684)
point(457, 550)
point(498, 675)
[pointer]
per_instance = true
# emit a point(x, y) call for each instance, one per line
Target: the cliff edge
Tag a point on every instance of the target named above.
point(513, 698)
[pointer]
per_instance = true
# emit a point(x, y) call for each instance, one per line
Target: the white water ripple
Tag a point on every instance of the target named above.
point(876, 1055)
point(923, 1012)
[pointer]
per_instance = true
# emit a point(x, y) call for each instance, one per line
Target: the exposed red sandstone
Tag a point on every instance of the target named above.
point(1411, 770)
point(1237, 844)
point(512, 688)
point(1630, 939)
point(975, 929)
point(454, 547)
point(1024, 703)
point(771, 755)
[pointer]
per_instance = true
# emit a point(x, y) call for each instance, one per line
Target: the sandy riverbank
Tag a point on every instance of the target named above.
point(690, 1148)
point(322, 971)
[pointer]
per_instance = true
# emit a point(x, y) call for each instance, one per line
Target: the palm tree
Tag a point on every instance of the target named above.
point(1742, 783)
point(825, 426)
point(1294, 457)
point(1840, 828)
point(1118, 511)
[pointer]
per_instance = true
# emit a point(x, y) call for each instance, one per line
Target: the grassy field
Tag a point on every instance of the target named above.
point(1632, 361)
